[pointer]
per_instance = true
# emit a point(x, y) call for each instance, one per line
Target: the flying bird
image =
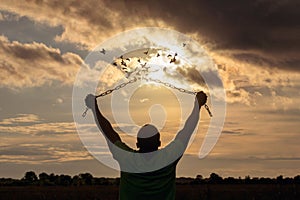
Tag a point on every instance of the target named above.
point(123, 63)
point(103, 51)
point(173, 59)
point(157, 55)
point(146, 52)
point(127, 71)
point(144, 65)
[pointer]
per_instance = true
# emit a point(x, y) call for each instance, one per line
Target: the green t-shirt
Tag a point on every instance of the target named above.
point(158, 184)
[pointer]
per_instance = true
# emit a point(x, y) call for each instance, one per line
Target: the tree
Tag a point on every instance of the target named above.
point(247, 179)
point(76, 180)
point(87, 178)
point(30, 177)
point(65, 180)
point(279, 179)
point(198, 179)
point(297, 179)
point(215, 178)
point(44, 179)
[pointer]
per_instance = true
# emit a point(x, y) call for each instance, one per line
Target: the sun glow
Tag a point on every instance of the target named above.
point(153, 65)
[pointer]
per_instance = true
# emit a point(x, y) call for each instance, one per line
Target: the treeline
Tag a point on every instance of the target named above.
point(216, 179)
point(44, 179)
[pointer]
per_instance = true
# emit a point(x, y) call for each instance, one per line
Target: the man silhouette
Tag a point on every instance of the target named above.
point(149, 172)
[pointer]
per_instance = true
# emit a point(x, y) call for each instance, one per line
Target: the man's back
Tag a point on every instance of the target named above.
point(156, 185)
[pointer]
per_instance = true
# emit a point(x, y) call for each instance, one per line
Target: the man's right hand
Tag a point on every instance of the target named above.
point(90, 101)
point(201, 98)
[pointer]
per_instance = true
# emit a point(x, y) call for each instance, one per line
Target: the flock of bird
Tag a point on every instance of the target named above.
point(127, 70)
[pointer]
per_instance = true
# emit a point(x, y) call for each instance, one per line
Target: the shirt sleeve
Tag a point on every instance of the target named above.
point(173, 150)
point(119, 150)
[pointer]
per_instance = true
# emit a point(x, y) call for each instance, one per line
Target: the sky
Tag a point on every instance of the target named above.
point(255, 45)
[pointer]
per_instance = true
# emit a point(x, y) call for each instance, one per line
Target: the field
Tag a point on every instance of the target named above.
point(205, 191)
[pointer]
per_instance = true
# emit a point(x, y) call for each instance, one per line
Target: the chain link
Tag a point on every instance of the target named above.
point(180, 90)
point(117, 87)
point(110, 91)
point(171, 86)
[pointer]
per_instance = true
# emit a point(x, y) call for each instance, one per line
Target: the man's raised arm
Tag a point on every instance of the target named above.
point(185, 134)
point(102, 123)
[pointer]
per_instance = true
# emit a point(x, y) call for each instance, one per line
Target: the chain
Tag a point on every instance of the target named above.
point(117, 87)
point(110, 91)
point(172, 86)
point(180, 90)
point(208, 110)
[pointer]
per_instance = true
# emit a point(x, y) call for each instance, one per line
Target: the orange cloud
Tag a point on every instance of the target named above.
point(34, 64)
point(33, 125)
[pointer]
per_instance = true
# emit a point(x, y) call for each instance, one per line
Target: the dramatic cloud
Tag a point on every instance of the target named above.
point(248, 33)
point(85, 23)
point(31, 124)
point(256, 32)
point(40, 153)
point(29, 65)
point(21, 119)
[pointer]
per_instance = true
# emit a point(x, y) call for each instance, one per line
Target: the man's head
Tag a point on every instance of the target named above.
point(148, 138)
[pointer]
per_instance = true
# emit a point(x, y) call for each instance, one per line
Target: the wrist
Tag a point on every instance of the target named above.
point(197, 104)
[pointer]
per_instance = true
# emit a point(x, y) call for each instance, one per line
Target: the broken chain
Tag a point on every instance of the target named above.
point(147, 79)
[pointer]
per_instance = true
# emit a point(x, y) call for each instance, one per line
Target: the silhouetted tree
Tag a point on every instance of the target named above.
point(30, 177)
point(264, 180)
point(65, 180)
point(279, 179)
point(297, 179)
point(100, 181)
point(247, 179)
point(44, 179)
point(230, 180)
point(76, 180)
point(52, 178)
point(87, 178)
point(215, 178)
point(288, 180)
point(198, 179)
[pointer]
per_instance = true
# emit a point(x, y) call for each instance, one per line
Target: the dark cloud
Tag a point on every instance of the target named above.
point(270, 27)
point(192, 75)
point(264, 31)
